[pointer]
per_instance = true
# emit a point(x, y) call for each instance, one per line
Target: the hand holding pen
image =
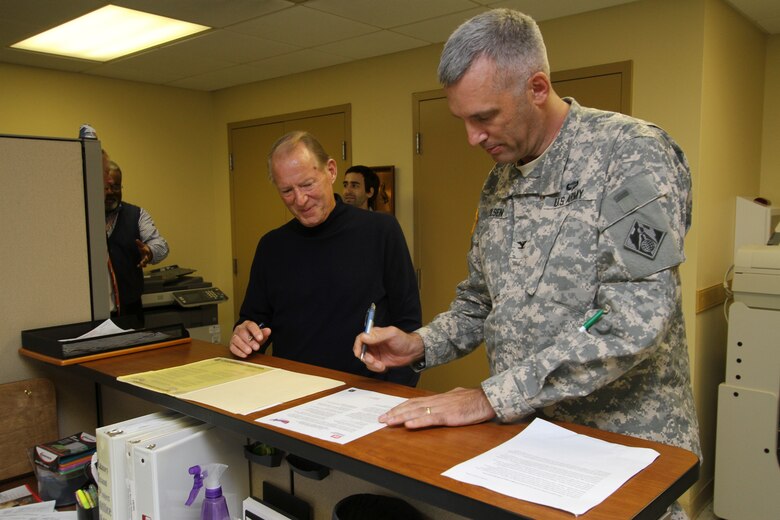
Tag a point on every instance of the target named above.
point(248, 337)
point(368, 325)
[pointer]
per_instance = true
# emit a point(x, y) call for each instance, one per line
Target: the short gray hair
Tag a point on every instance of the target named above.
point(510, 39)
point(290, 140)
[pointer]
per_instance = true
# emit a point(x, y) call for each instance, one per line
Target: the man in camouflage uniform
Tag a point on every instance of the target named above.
point(584, 211)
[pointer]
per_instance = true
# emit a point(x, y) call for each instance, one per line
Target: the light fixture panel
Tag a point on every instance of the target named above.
point(108, 33)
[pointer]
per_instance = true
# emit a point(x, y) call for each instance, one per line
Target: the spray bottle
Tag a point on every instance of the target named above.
point(214, 505)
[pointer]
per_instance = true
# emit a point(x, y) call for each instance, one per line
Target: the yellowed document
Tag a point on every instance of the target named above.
point(231, 385)
point(194, 376)
point(261, 391)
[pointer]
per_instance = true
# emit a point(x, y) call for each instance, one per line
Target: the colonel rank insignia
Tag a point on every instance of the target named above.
point(644, 239)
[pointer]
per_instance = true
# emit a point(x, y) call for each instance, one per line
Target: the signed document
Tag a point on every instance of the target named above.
point(341, 417)
point(553, 466)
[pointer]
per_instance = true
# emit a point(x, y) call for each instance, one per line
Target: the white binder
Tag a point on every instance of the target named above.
point(162, 481)
point(111, 460)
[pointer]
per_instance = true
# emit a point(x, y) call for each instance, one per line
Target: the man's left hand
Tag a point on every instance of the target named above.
point(146, 253)
point(457, 407)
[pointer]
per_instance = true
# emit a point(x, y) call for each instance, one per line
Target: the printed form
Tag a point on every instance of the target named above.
point(341, 417)
point(555, 467)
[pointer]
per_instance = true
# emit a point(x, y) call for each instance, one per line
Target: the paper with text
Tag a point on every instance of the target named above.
point(194, 376)
point(231, 385)
point(553, 466)
point(341, 417)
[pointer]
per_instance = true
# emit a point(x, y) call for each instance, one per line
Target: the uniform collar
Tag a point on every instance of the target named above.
point(546, 178)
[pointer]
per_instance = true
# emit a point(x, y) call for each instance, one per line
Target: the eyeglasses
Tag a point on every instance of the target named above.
point(113, 188)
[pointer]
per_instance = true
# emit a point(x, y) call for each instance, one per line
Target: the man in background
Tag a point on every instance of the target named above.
point(133, 243)
point(361, 187)
point(574, 282)
point(313, 279)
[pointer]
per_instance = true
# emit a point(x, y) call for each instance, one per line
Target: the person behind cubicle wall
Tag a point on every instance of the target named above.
point(313, 279)
point(361, 187)
point(133, 243)
point(573, 282)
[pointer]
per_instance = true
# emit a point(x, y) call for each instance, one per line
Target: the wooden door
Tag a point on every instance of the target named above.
point(256, 207)
point(448, 178)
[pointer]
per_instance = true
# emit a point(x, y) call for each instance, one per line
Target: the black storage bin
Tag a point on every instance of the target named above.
point(375, 507)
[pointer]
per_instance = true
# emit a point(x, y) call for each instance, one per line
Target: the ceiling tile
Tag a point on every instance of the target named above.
point(158, 64)
point(437, 30)
point(385, 14)
point(131, 73)
point(222, 78)
point(213, 13)
point(374, 44)
point(227, 46)
point(555, 8)
point(303, 27)
point(45, 14)
point(298, 61)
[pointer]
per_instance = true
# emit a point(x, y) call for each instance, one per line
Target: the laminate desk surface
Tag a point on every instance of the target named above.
point(409, 462)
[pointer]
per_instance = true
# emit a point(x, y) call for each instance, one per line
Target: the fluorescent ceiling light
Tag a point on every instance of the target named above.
point(108, 33)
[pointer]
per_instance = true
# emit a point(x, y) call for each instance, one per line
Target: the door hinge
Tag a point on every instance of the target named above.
point(235, 266)
point(230, 161)
point(343, 150)
point(417, 143)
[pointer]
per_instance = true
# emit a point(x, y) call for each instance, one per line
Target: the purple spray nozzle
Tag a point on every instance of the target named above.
point(197, 477)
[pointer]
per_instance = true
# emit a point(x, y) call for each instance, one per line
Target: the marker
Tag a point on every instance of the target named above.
point(369, 324)
point(83, 499)
point(592, 320)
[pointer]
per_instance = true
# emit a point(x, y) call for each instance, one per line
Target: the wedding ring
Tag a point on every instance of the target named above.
point(428, 410)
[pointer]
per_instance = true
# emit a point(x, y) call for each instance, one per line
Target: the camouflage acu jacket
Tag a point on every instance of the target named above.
point(597, 224)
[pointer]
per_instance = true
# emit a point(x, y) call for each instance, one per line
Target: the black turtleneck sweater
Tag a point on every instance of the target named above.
point(313, 286)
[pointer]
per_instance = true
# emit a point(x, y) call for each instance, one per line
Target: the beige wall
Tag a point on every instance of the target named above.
point(691, 60)
point(770, 156)
point(730, 164)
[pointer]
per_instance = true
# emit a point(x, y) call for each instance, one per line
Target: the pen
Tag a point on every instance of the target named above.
point(592, 320)
point(369, 324)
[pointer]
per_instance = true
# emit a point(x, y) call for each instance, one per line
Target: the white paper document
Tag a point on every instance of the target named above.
point(553, 466)
point(37, 511)
point(341, 417)
point(104, 329)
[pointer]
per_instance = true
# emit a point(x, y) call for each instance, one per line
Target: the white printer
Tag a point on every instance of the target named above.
point(747, 451)
point(757, 276)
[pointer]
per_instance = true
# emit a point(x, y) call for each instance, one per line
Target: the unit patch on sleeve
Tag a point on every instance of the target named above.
point(644, 239)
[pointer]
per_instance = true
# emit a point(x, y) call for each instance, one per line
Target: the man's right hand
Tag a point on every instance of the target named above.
point(247, 338)
point(388, 347)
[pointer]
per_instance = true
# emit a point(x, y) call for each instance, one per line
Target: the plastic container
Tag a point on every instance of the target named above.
point(60, 488)
point(271, 457)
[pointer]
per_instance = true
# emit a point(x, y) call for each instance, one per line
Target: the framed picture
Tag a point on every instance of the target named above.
point(385, 201)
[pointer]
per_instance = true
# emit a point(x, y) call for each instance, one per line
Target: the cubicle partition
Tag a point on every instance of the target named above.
point(53, 253)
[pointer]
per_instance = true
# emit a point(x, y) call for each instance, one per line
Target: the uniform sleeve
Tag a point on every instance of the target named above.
point(644, 215)
point(151, 237)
